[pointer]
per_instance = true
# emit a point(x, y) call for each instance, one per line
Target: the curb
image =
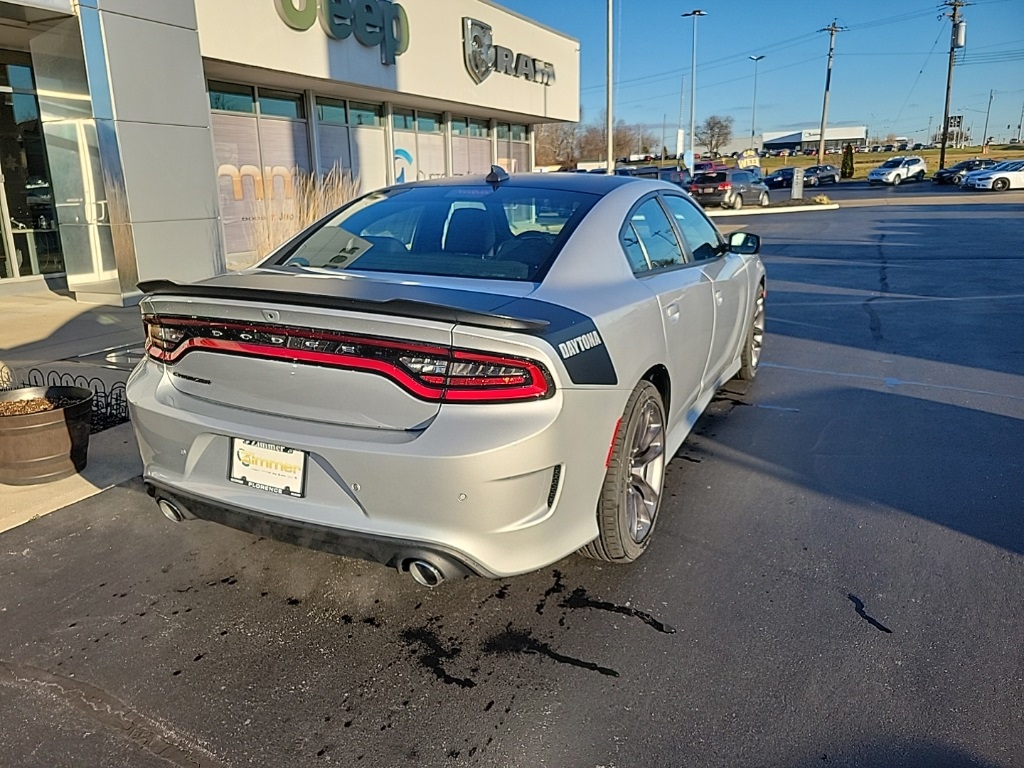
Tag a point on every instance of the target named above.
point(762, 211)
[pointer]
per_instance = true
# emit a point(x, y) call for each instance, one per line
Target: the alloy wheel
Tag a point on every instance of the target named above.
point(646, 471)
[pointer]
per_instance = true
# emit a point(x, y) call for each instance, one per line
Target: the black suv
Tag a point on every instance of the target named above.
point(729, 188)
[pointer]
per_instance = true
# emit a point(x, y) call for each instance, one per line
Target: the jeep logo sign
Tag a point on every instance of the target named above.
point(374, 22)
point(482, 56)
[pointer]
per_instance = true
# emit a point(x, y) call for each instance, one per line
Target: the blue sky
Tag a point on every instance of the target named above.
point(889, 71)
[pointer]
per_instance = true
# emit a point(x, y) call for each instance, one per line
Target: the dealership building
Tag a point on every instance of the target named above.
point(141, 139)
point(835, 138)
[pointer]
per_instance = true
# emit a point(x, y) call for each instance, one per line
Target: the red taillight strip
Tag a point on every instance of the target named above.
point(535, 384)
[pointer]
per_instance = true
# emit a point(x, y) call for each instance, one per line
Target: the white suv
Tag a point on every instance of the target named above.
point(898, 169)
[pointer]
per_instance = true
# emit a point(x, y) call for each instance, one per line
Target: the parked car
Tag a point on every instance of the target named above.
point(453, 376)
point(955, 173)
point(783, 177)
point(876, 148)
point(729, 188)
point(998, 178)
point(675, 176)
point(821, 174)
point(889, 148)
point(898, 169)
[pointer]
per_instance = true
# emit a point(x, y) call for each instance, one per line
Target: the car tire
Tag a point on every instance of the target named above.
point(737, 202)
point(750, 355)
point(1000, 185)
point(764, 200)
point(958, 179)
point(897, 180)
point(919, 176)
point(627, 510)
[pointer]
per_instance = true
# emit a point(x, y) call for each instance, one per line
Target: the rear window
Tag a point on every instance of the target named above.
point(508, 233)
point(709, 178)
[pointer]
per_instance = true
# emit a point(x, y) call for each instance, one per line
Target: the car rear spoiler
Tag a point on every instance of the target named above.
point(400, 307)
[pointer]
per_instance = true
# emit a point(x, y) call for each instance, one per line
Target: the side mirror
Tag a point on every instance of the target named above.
point(744, 242)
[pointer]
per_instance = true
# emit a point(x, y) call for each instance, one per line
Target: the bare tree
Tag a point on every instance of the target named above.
point(714, 132)
point(557, 144)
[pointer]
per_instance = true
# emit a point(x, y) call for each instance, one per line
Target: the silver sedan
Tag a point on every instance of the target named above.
point(471, 375)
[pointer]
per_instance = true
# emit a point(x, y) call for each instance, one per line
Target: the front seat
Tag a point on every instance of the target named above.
point(470, 231)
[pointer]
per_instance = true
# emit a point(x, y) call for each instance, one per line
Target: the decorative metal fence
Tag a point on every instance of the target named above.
point(109, 404)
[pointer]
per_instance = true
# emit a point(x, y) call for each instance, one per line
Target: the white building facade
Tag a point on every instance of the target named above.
point(140, 136)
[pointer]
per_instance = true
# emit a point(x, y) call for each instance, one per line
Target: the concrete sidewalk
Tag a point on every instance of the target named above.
point(49, 334)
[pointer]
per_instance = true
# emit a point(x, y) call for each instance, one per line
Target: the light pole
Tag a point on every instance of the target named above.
point(753, 108)
point(693, 79)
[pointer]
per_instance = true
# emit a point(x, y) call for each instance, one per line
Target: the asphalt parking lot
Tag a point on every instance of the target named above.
point(835, 580)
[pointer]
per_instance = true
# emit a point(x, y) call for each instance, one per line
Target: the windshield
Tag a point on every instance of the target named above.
point(895, 162)
point(508, 233)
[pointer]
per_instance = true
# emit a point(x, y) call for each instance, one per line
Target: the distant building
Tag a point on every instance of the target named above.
point(838, 137)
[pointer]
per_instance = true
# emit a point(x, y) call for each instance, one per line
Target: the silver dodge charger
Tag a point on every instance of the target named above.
point(458, 376)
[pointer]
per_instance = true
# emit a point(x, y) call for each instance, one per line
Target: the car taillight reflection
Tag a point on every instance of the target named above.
point(442, 374)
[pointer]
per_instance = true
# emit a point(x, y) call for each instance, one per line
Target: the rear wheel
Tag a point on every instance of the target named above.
point(750, 357)
point(919, 176)
point(764, 201)
point(737, 202)
point(958, 179)
point(631, 495)
point(1001, 185)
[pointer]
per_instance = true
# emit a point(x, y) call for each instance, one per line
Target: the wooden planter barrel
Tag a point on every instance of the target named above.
point(48, 445)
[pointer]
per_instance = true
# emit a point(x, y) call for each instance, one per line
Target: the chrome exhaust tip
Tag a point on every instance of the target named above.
point(170, 510)
point(425, 574)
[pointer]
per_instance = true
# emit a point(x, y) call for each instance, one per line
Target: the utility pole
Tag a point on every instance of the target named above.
point(955, 41)
point(984, 137)
point(928, 138)
point(831, 29)
point(1020, 123)
point(610, 169)
point(680, 144)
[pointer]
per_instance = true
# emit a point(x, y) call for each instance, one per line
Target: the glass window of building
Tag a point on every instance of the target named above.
point(428, 122)
point(503, 131)
point(519, 133)
point(331, 111)
point(281, 104)
point(459, 127)
point(479, 128)
point(403, 119)
point(360, 113)
point(228, 97)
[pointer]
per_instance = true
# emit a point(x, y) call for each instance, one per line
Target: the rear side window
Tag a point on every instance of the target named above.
point(509, 233)
point(700, 234)
point(649, 234)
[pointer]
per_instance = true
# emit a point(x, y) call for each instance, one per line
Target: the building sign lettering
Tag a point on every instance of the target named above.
point(374, 23)
point(483, 56)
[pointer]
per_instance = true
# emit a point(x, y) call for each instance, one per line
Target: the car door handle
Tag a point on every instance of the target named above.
point(672, 310)
point(718, 298)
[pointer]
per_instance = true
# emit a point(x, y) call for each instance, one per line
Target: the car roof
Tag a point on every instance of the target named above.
point(593, 183)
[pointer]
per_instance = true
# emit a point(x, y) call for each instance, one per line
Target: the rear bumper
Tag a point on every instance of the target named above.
point(392, 552)
point(500, 489)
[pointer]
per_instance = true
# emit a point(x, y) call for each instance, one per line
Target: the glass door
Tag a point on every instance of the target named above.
point(30, 241)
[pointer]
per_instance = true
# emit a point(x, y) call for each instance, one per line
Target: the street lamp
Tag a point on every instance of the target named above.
point(753, 108)
point(693, 79)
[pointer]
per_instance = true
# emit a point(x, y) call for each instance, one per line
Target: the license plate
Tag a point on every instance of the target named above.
point(268, 467)
point(706, 190)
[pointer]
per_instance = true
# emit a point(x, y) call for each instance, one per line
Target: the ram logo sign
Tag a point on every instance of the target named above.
point(483, 57)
